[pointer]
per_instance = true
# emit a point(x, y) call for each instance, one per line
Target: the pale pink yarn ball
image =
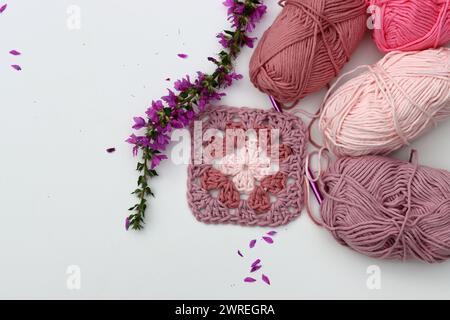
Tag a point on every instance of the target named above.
point(389, 105)
point(410, 25)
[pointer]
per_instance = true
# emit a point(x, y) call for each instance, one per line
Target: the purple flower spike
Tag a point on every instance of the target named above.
point(252, 244)
point(240, 253)
point(265, 279)
point(111, 150)
point(269, 240)
point(15, 53)
point(127, 224)
point(255, 268)
point(16, 67)
point(3, 8)
point(189, 97)
point(271, 233)
point(249, 280)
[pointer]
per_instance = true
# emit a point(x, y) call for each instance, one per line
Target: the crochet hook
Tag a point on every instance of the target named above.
point(314, 187)
point(312, 184)
point(275, 104)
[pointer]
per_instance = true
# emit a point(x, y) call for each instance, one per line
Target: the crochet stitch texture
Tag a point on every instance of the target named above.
point(240, 188)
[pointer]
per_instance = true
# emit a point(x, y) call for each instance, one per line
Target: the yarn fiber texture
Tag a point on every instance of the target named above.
point(389, 105)
point(307, 46)
point(387, 208)
point(410, 25)
point(236, 189)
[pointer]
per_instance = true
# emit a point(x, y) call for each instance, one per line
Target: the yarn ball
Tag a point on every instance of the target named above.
point(410, 25)
point(307, 46)
point(392, 103)
point(387, 208)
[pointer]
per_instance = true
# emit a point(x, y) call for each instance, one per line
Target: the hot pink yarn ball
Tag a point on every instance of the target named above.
point(410, 25)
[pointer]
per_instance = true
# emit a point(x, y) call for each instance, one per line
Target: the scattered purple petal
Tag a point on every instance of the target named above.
point(240, 253)
point(252, 244)
point(255, 268)
point(15, 53)
point(3, 8)
point(265, 279)
point(272, 233)
point(183, 55)
point(111, 150)
point(268, 240)
point(127, 223)
point(16, 66)
point(249, 279)
point(258, 261)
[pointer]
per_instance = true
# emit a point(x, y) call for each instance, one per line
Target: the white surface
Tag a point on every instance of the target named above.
point(64, 199)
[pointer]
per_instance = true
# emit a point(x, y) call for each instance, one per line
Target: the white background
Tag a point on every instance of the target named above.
point(63, 199)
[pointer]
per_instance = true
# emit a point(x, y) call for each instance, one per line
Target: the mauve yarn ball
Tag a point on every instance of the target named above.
point(388, 209)
point(307, 46)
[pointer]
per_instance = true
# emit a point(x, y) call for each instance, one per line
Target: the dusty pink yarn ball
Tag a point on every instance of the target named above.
point(307, 46)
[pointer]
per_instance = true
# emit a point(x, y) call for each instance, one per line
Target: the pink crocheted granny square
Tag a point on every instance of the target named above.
point(247, 167)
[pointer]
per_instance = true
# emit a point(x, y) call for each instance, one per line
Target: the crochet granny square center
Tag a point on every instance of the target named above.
point(247, 167)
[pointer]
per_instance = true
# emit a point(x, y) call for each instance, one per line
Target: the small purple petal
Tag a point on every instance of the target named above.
point(252, 244)
point(111, 150)
point(156, 160)
point(249, 279)
point(258, 261)
point(240, 253)
point(255, 268)
point(15, 53)
point(127, 224)
point(272, 233)
point(268, 240)
point(16, 66)
point(183, 55)
point(139, 123)
point(265, 279)
point(3, 8)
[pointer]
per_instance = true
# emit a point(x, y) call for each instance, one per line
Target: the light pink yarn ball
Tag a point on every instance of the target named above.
point(389, 105)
